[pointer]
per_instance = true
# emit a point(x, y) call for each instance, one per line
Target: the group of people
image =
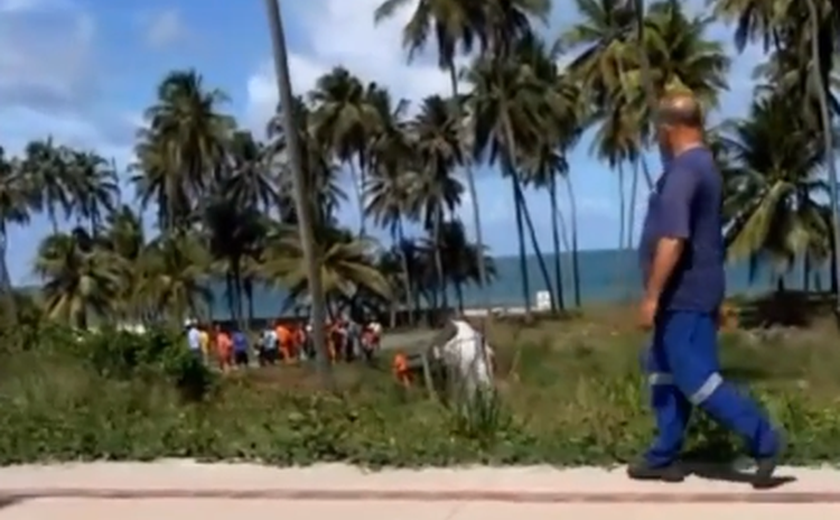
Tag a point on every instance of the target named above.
point(231, 348)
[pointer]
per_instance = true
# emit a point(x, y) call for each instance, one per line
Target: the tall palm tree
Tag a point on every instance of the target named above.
point(509, 103)
point(309, 255)
point(455, 24)
point(345, 120)
point(321, 180)
point(393, 179)
point(436, 135)
point(235, 231)
point(15, 199)
point(645, 74)
point(44, 163)
point(124, 236)
point(93, 187)
point(773, 187)
point(813, 31)
point(250, 180)
point(460, 258)
point(183, 148)
point(601, 40)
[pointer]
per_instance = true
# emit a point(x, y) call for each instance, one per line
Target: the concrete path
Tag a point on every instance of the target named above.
point(223, 491)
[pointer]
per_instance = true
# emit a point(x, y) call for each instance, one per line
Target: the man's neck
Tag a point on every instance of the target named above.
point(688, 144)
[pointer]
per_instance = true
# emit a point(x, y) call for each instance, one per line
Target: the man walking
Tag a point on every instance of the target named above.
point(682, 257)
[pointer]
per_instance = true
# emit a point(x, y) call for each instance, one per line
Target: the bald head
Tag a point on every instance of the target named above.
point(680, 109)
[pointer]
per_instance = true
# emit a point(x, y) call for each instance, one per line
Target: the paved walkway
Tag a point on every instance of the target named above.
point(223, 491)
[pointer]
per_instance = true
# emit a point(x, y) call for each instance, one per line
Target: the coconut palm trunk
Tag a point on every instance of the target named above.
point(622, 221)
point(644, 62)
point(509, 165)
point(399, 240)
point(570, 191)
point(523, 257)
point(535, 243)
point(555, 239)
point(7, 299)
point(304, 211)
point(440, 273)
point(468, 173)
point(825, 119)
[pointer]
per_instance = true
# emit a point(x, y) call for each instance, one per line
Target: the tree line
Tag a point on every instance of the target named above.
point(224, 201)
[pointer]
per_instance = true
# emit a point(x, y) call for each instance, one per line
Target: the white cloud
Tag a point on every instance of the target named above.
point(165, 28)
point(50, 79)
point(47, 60)
point(343, 33)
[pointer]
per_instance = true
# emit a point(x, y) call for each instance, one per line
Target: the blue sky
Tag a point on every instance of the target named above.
point(84, 70)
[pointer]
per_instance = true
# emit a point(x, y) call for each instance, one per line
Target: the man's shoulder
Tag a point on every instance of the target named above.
point(696, 160)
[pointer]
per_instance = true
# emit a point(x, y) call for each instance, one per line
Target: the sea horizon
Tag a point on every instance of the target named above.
point(606, 276)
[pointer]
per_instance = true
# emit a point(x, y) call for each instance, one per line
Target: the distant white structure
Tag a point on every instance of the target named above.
point(543, 301)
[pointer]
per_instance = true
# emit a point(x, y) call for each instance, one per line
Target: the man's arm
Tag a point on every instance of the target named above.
point(675, 210)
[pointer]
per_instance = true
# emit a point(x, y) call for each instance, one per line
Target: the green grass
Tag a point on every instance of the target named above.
point(570, 392)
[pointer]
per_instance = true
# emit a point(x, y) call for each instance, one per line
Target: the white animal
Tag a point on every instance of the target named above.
point(464, 356)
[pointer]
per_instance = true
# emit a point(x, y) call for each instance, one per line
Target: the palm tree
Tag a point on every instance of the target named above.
point(348, 266)
point(602, 39)
point(460, 258)
point(183, 149)
point(235, 231)
point(173, 276)
point(455, 23)
point(345, 120)
point(81, 280)
point(93, 187)
point(509, 104)
point(44, 164)
point(310, 256)
point(773, 186)
point(392, 181)
point(321, 179)
point(124, 236)
point(250, 182)
point(15, 200)
point(781, 24)
point(435, 132)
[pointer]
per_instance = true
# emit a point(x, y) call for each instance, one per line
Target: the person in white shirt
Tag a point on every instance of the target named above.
point(194, 340)
point(467, 356)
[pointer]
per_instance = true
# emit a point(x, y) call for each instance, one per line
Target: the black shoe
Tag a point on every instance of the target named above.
point(766, 467)
point(644, 471)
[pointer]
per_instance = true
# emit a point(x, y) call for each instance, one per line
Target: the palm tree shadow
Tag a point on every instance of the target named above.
point(725, 472)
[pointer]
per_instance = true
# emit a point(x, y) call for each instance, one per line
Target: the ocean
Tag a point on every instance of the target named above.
point(607, 276)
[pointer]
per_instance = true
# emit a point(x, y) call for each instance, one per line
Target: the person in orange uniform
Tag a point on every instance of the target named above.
point(224, 349)
point(300, 341)
point(284, 337)
point(401, 370)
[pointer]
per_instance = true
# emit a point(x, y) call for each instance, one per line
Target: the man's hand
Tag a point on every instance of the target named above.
point(647, 312)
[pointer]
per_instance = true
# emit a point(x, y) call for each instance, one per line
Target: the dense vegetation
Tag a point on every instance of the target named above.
point(569, 394)
point(223, 197)
point(225, 209)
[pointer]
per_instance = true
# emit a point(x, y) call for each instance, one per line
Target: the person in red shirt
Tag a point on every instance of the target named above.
point(224, 349)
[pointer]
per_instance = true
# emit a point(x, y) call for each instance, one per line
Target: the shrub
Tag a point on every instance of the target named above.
point(114, 395)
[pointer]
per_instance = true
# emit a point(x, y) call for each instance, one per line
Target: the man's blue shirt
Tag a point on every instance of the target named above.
point(686, 204)
point(240, 342)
